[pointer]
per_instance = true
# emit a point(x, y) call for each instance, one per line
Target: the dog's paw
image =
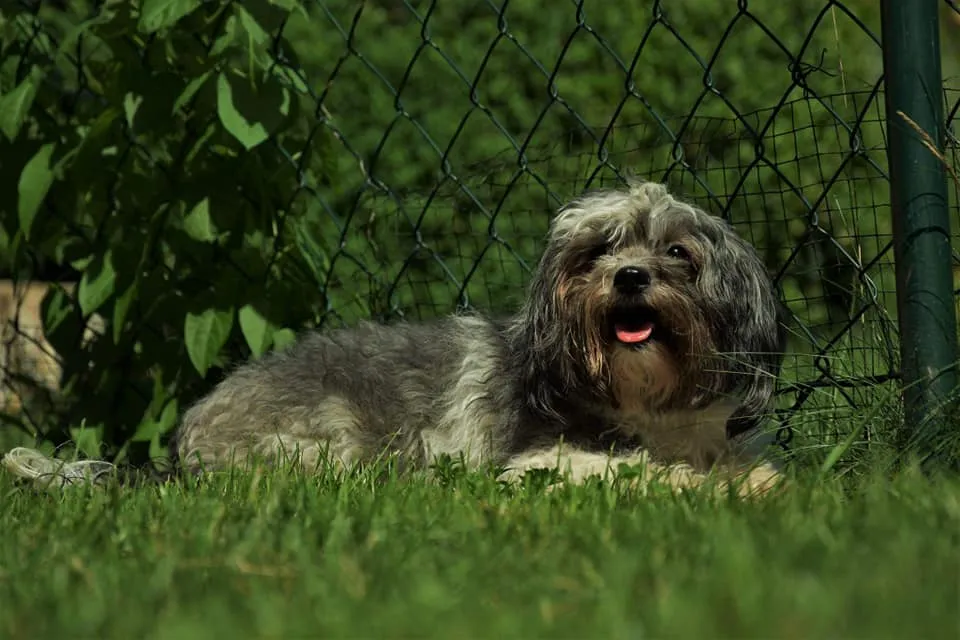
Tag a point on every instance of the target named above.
point(759, 481)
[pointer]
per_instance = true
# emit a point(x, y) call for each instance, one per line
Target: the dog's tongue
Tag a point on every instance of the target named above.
point(634, 334)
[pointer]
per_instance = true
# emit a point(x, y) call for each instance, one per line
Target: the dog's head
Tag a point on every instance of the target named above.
point(650, 304)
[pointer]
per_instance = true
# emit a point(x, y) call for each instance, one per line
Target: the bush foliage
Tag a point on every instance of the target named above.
point(143, 151)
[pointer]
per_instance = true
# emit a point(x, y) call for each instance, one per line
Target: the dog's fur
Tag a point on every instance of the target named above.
point(551, 386)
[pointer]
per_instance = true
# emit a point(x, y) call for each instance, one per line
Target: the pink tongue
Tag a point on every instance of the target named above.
point(634, 335)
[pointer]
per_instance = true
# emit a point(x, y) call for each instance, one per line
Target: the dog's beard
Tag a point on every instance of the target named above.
point(654, 348)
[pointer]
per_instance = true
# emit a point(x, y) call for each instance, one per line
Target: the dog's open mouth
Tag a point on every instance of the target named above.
point(634, 325)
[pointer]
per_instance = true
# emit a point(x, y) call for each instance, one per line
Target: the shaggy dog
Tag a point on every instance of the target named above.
point(650, 336)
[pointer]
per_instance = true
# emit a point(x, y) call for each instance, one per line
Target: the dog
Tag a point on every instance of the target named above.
point(651, 336)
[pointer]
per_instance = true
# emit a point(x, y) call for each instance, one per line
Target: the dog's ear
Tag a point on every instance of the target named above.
point(753, 409)
point(537, 348)
point(549, 332)
point(751, 337)
point(543, 392)
point(759, 392)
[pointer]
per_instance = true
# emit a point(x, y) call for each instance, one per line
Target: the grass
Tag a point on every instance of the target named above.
point(283, 555)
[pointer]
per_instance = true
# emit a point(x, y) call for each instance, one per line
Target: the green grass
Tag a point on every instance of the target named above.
point(287, 556)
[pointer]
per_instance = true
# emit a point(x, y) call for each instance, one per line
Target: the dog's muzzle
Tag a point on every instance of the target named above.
point(633, 323)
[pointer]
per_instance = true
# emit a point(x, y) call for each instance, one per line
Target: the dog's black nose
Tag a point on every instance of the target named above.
point(630, 280)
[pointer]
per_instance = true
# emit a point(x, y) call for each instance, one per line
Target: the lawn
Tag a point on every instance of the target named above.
point(461, 556)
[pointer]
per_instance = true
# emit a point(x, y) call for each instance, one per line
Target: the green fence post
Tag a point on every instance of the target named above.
point(921, 222)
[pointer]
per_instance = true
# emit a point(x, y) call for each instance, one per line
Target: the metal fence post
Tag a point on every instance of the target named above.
point(918, 197)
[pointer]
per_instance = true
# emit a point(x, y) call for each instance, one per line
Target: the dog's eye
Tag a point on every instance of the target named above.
point(678, 252)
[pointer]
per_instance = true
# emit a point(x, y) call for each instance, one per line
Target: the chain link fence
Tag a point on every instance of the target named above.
point(449, 135)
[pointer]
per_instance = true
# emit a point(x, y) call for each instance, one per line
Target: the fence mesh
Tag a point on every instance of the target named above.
point(451, 133)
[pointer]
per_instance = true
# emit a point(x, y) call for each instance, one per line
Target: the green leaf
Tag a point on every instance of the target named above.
point(131, 103)
point(97, 284)
point(255, 32)
point(35, 181)
point(189, 91)
point(121, 307)
point(228, 36)
point(284, 338)
point(158, 14)
point(69, 249)
point(56, 308)
point(256, 329)
point(198, 224)
point(89, 440)
point(312, 253)
point(62, 325)
point(98, 129)
point(9, 244)
point(15, 106)
point(205, 333)
point(150, 428)
point(82, 262)
point(249, 134)
point(288, 5)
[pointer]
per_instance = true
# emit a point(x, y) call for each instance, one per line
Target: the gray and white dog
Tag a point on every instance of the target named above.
point(650, 336)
